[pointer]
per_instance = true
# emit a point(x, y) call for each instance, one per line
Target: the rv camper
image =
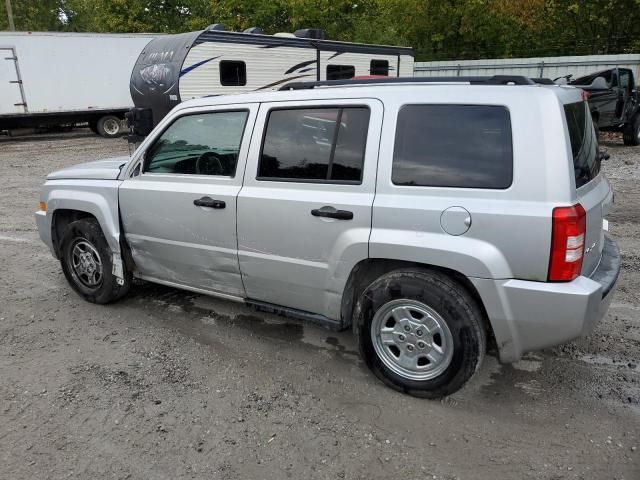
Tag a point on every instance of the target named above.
point(174, 68)
point(52, 79)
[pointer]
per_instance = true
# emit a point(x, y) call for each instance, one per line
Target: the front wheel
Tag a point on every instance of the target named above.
point(631, 132)
point(420, 332)
point(87, 263)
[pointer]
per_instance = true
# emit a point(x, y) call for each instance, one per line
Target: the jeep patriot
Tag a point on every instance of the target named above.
point(434, 218)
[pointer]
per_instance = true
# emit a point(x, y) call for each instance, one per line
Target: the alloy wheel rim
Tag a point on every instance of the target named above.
point(85, 263)
point(412, 339)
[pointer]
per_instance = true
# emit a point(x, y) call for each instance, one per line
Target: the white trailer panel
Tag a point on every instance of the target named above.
point(66, 72)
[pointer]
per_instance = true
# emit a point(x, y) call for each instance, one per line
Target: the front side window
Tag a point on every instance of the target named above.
point(202, 144)
point(315, 144)
point(379, 67)
point(340, 72)
point(466, 146)
point(233, 73)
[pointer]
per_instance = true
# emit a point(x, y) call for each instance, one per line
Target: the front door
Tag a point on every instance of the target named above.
point(304, 212)
point(178, 209)
point(625, 99)
point(11, 99)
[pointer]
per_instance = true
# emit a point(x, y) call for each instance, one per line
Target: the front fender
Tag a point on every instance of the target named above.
point(96, 197)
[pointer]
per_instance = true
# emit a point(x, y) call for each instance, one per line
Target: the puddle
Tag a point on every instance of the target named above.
point(594, 359)
point(530, 363)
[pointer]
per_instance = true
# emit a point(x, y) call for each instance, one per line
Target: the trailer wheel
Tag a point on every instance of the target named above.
point(109, 126)
point(631, 133)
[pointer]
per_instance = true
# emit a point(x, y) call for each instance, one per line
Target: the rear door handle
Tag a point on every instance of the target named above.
point(209, 202)
point(331, 212)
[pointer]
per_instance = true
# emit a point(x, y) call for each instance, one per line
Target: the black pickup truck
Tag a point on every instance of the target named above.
point(614, 102)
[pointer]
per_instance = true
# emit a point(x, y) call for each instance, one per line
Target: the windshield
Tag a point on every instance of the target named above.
point(584, 143)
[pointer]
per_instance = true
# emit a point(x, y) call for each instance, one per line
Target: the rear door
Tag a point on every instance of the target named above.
point(304, 212)
point(592, 188)
point(11, 99)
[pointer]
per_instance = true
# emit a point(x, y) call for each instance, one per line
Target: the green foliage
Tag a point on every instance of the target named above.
point(32, 15)
point(438, 30)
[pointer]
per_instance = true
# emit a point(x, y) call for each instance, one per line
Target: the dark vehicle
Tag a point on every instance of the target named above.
point(613, 101)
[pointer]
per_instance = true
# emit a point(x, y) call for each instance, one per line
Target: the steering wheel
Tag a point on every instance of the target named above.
point(209, 163)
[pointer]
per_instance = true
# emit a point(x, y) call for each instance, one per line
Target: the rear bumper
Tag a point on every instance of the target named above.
point(528, 316)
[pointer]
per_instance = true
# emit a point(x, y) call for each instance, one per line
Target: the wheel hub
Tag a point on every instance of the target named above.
point(111, 126)
point(86, 265)
point(412, 339)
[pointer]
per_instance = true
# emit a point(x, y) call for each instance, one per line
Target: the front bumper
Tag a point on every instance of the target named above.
point(527, 316)
point(43, 222)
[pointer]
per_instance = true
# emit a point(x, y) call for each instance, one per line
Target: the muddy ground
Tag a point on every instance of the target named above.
point(171, 385)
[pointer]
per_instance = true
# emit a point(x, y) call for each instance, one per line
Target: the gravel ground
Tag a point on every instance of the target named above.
point(167, 384)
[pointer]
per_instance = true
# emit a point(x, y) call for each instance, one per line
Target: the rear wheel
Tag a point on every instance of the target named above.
point(631, 132)
point(87, 263)
point(109, 126)
point(420, 332)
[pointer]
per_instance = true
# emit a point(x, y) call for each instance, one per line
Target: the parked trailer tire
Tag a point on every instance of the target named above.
point(109, 126)
point(631, 132)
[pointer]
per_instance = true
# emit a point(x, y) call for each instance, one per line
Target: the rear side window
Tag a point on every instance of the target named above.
point(465, 146)
point(233, 73)
point(315, 145)
point(340, 72)
point(584, 144)
point(379, 67)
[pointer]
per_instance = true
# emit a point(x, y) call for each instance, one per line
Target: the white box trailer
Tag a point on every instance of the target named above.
point(50, 78)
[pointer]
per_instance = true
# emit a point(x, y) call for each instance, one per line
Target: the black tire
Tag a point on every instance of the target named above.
point(87, 232)
point(631, 132)
point(454, 305)
point(109, 126)
point(596, 127)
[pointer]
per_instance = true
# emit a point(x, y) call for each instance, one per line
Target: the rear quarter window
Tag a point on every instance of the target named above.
point(584, 143)
point(466, 146)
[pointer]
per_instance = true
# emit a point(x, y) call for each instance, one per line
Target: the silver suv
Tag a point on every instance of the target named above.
point(435, 219)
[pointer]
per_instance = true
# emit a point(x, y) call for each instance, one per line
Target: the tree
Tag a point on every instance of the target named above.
point(33, 15)
point(437, 29)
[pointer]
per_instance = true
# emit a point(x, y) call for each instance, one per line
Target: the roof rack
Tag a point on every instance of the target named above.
point(494, 80)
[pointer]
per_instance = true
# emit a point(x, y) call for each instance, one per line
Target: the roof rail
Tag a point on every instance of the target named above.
point(543, 81)
point(494, 80)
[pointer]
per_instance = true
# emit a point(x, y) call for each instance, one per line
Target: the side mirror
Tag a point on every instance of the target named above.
point(599, 83)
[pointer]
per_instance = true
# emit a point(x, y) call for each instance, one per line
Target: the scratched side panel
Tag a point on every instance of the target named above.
point(173, 240)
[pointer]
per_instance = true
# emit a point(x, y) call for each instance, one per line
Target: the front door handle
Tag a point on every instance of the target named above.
point(209, 202)
point(331, 212)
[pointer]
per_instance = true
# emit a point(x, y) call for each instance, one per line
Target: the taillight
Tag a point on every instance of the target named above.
point(567, 243)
